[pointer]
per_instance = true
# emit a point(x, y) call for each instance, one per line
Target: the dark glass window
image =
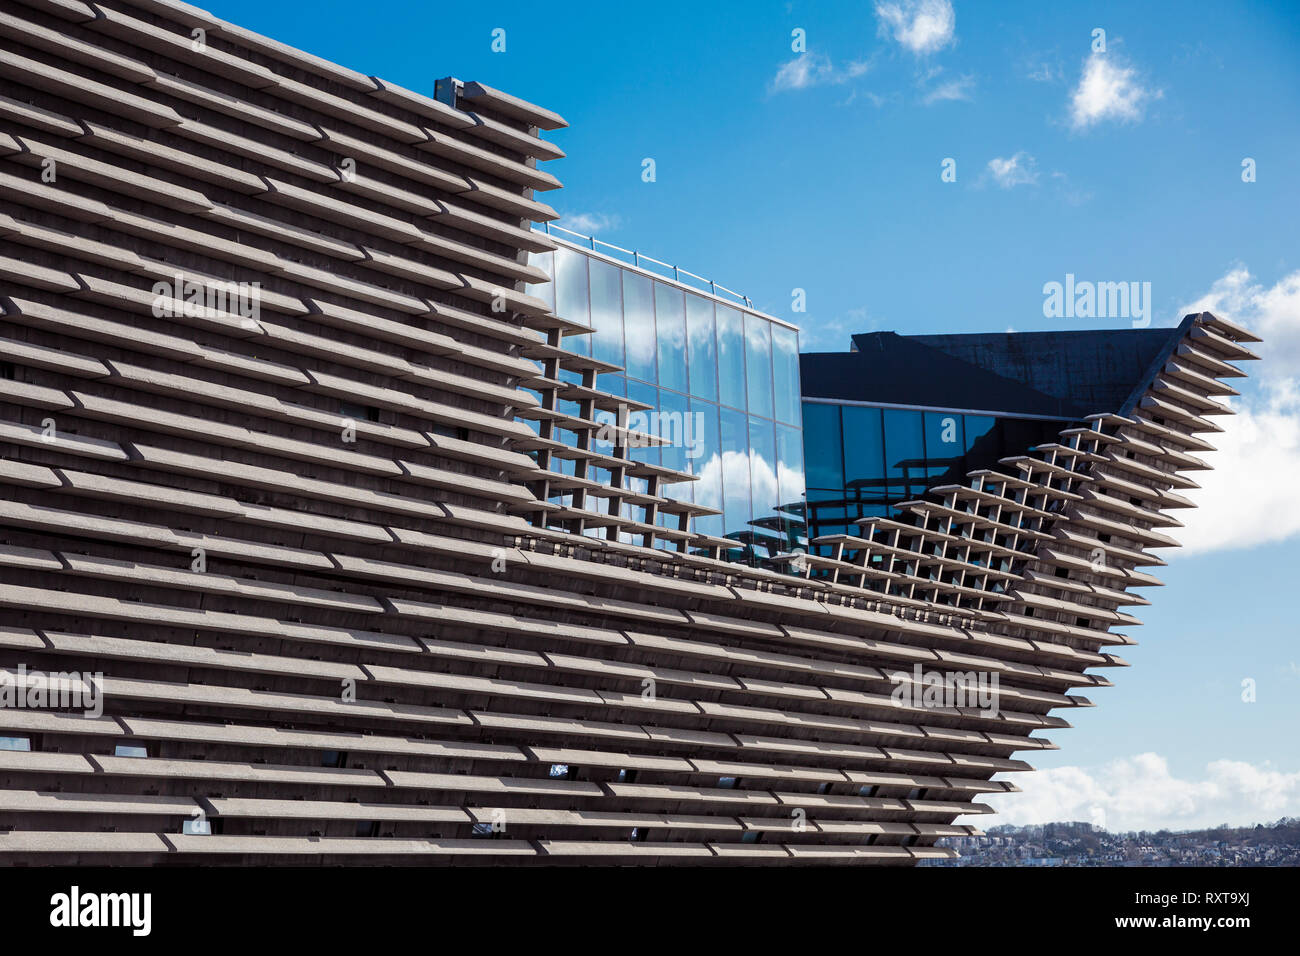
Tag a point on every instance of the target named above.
point(945, 449)
point(904, 454)
point(824, 445)
point(864, 458)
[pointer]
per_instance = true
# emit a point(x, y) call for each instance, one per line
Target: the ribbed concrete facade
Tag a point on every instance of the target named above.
point(312, 551)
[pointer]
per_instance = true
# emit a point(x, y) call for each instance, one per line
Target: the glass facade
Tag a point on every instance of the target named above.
point(863, 460)
point(722, 384)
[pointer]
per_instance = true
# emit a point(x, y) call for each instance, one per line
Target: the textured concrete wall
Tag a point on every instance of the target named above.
point(311, 556)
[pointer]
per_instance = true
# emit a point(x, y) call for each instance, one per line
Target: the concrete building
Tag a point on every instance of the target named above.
point(335, 528)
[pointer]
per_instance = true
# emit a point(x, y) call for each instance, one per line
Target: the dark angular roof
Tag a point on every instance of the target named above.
point(1060, 374)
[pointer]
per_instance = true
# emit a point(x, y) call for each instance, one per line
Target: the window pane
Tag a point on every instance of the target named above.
point(762, 482)
point(790, 483)
point(707, 464)
point(606, 312)
point(641, 421)
point(543, 290)
point(731, 357)
point(672, 427)
point(904, 454)
point(982, 445)
point(670, 325)
point(785, 373)
point(639, 326)
point(864, 459)
point(758, 365)
point(944, 449)
point(821, 436)
point(704, 349)
point(735, 472)
point(571, 286)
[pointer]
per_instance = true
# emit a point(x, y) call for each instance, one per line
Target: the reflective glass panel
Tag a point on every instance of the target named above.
point(983, 446)
point(944, 449)
point(763, 483)
point(904, 454)
point(790, 483)
point(674, 420)
point(735, 473)
point(670, 326)
point(758, 365)
point(864, 459)
point(543, 290)
point(822, 439)
point(606, 312)
point(731, 357)
point(785, 374)
point(642, 421)
point(707, 464)
point(571, 286)
point(639, 326)
point(703, 348)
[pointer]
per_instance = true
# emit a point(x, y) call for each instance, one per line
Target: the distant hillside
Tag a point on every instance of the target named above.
point(1082, 844)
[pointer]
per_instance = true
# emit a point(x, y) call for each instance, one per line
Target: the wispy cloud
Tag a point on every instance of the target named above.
point(590, 223)
point(1141, 793)
point(1018, 170)
point(1108, 89)
point(808, 70)
point(921, 26)
point(804, 71)
point(958, 89)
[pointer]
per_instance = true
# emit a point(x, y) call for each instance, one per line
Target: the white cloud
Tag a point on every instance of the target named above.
point(958, 89)
point(1020, 169)
point(590, 223)
point(815, 69)
point(804, 71)
point(1249, 498)
point(1271, 313)
point(922, 26)
point(1141, 793)
point(1107, 90)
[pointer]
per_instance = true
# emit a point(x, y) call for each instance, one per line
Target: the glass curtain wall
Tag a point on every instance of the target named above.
point(723, 386)
point(863, 460)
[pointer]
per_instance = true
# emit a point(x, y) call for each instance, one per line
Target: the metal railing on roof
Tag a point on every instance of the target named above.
point(639, 257)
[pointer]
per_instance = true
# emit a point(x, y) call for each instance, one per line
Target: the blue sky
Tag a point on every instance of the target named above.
point(821, 170)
